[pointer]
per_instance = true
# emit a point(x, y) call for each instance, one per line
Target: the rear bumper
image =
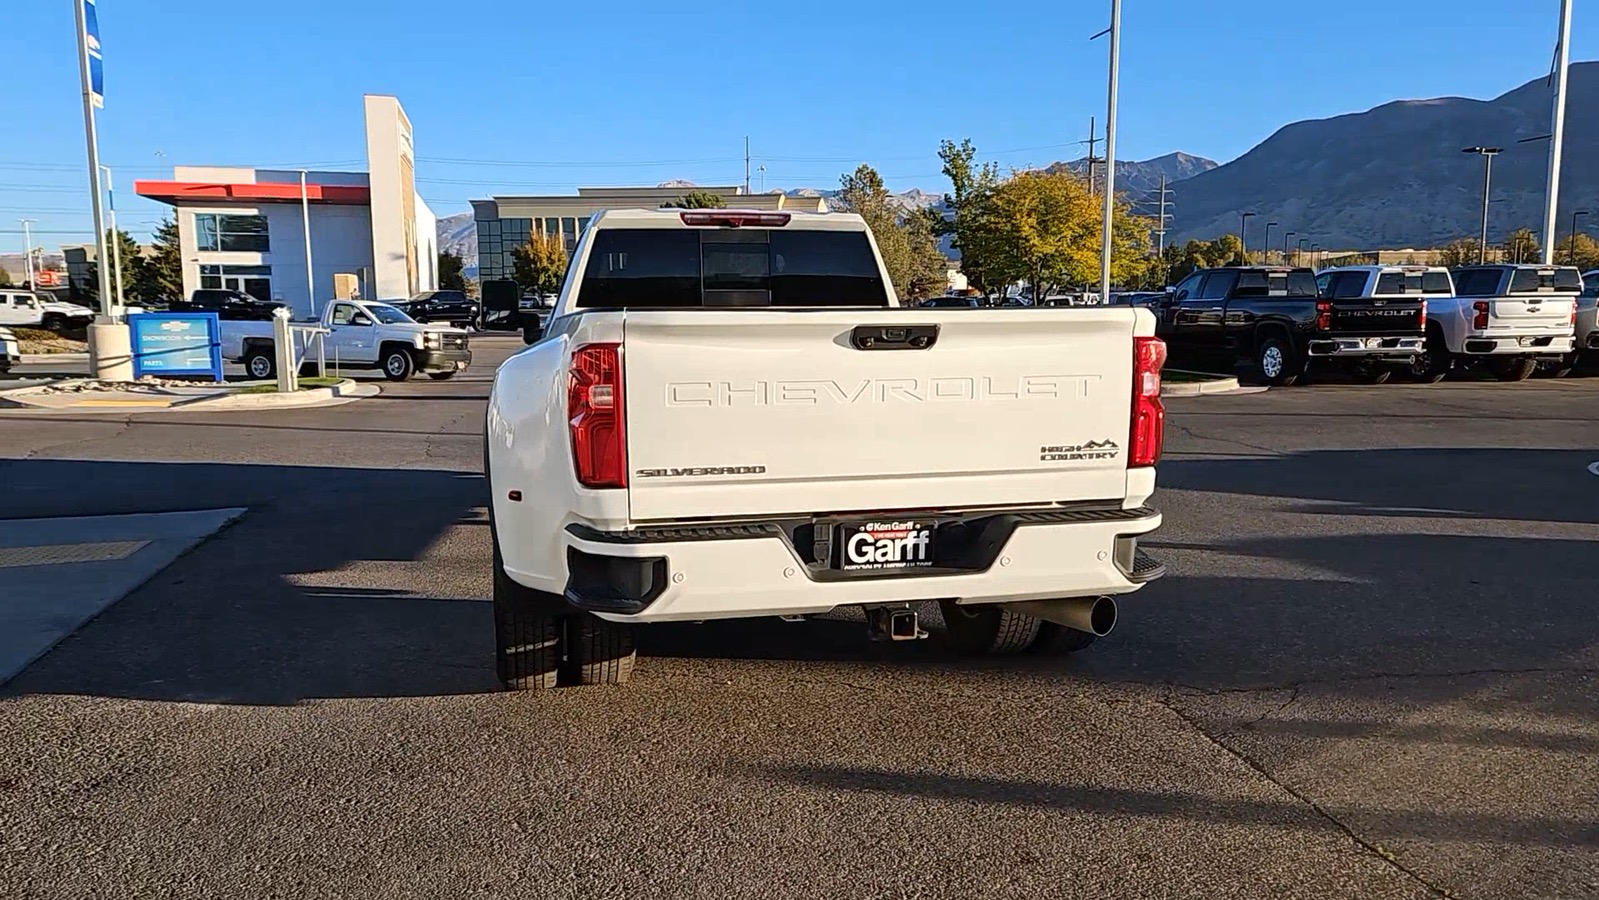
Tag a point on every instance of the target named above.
point(1368, 347)
point(1531, 344)
point(688, 574)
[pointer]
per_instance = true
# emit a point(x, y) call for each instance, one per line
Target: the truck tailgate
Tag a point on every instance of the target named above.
point(765, 413)
point(1551, 313)
point(1385, 316)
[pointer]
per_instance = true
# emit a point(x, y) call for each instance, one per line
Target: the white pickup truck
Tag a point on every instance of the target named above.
point(1509, 318)
point(361, 335)
point(730, 415)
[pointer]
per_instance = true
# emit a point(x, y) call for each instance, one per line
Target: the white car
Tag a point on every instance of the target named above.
point(1509, 318)
point(730, 416)
point(361, 335)
point(10, 350)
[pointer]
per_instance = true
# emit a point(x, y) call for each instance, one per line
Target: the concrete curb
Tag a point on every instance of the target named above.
point(35, 359)
point(1218, 384)
point(346, 391)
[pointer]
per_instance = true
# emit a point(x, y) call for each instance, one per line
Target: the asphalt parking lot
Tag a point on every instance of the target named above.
point(1373, 672)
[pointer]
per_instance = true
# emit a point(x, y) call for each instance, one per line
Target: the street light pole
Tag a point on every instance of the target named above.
point(1285, 247)
point(1110, 150)
point(305, 220)
point(115, 240)
point(1552, 191)
point(1265, 245)
point(1243, 240)
point(1487, 154)
point(27, 253)
point(1571, 251)
point(1299, 251)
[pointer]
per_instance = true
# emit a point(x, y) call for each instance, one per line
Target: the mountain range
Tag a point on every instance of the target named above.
point(1395, 177)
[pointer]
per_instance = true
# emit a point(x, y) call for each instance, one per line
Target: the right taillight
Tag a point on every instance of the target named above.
point(595, 414)
point(1149, 414)
point(1421, 315)
point(1324, 315)
point(1480, 320)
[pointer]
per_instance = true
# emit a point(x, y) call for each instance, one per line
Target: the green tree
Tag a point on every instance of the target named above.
point(540, 264)
point(1522, 247)
point(906, 242)
point(697, 200)
point(5, 278)
point(160, 275)
point(1581, 251)
point(132, 256)
point(1463, 252)
point(971, 188)
point(1045, 227)
point(452, 272)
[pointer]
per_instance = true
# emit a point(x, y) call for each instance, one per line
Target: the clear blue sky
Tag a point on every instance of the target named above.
point(519, 97)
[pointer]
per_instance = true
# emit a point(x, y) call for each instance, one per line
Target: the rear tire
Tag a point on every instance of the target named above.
point(1559, 368)
point(1434, 362)
point(527, 634)
point(1276, 363)
point(1516, 368)
point(262, 365)
point(601, 652)
point(988, 628)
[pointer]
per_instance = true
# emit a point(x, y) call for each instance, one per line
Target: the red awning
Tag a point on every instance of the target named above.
point(175, 192)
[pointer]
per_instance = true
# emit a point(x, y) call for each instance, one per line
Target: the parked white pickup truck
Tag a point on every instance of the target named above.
point(361, 335)
point(1506, 317)
point(729, 415)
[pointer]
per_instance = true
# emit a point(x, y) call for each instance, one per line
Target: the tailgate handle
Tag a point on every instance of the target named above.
point(893, 337)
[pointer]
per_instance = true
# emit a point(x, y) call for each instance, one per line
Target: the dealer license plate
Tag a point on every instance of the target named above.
point(885, 544)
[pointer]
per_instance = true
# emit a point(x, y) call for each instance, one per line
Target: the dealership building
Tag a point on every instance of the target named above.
point(370, 234)
point(505, 223)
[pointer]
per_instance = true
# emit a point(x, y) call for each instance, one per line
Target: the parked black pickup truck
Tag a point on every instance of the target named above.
point(1275, 317)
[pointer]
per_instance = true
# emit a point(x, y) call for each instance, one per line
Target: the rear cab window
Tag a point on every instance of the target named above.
point(1533, 281)
point(1297, 283)
point(1413, 283)
point(696, 268)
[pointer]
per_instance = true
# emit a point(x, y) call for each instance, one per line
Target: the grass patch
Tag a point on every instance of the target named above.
point(39, 340)
point(305, 384)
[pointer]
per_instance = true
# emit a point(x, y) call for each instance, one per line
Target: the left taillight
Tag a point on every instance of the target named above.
point(1421, 315)
point(1149, 414)
point(1324, 315)
point(595, 413)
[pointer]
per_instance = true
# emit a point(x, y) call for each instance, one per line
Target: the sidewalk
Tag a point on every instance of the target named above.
point(57, 574)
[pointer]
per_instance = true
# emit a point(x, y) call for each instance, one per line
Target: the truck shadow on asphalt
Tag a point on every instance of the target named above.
point(1529, 484)
point(276, 609)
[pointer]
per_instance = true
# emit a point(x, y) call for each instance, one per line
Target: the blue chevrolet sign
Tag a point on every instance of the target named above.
point(176, 345)
point(91, 40)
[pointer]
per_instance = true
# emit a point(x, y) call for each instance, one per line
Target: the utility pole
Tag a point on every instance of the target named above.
point(746, 164)
point(762, 170)
point(27, 253)
point(1552, 200)
point(1110, 151)
point(1243, 235)
point(1093, 138)
point(1160, 222)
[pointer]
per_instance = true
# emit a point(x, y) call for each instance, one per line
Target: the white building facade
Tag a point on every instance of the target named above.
point(245, 229)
